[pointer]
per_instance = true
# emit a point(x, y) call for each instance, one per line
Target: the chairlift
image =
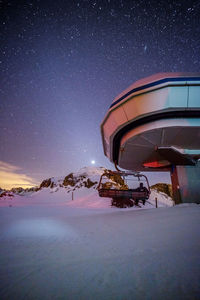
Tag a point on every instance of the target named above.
point(121, 194)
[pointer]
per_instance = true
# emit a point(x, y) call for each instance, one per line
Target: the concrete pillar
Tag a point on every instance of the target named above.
point(186, 184)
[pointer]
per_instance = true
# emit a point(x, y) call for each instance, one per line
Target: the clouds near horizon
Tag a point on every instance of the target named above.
point(11, 176)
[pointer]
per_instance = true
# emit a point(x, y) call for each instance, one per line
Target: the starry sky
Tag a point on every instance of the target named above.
point(63, 62)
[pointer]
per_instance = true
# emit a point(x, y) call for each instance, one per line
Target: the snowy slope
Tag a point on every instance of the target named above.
point(82, 198)
point(65, 252)
point(80, 186)
point(53, 247)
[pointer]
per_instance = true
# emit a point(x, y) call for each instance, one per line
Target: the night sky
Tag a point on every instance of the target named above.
point(63, 62)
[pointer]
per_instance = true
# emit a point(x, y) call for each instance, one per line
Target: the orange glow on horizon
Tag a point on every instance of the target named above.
point(9, 177)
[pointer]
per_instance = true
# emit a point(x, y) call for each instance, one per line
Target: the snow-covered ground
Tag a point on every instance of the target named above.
point(56, 248)
point(82, 198)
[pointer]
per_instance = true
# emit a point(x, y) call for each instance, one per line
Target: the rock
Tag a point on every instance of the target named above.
point(45, 183)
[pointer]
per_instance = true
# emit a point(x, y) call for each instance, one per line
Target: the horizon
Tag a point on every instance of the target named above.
point(153, 181)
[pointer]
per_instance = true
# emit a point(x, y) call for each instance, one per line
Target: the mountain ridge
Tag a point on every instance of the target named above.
point(87, 178)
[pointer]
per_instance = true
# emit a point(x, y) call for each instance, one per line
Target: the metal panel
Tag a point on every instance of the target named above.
point(178, 96)
point(146, 103)
point(189, 181)
point(115, 120)
point(194, 96)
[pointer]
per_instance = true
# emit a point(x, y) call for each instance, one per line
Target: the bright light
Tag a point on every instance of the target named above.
point(93, 162)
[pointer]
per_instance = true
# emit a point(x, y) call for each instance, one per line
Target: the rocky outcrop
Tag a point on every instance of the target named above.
point(45, 183)
point(6, 194)
point(17, 190)
point(78, 181)
point(69, 180)
point(87, 177)
point(89, 183)
point(163, 188)
point(115, 180)
point(2, 191)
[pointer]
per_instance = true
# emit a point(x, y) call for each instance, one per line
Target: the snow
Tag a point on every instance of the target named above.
point(83, 198)
point(163, 199)
point(56, 248)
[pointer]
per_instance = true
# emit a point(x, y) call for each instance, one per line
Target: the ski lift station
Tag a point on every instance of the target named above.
point(154, 125)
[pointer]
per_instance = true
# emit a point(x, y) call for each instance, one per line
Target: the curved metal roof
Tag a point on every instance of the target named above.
point(162, 110)
point(156, 80)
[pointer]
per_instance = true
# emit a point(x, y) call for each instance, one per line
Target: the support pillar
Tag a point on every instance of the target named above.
point(175, 185)
point(186, 184)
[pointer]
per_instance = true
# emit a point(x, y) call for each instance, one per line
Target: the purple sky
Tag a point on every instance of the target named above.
point(63, 62)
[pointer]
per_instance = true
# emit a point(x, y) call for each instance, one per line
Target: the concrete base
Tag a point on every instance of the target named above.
point(186, 184)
